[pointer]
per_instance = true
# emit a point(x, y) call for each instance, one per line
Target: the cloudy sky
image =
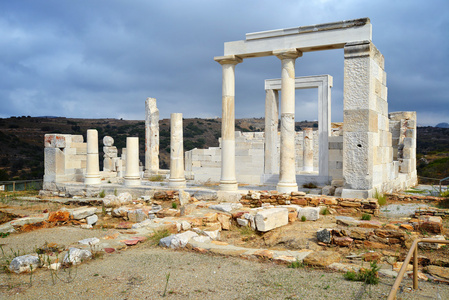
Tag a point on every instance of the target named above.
point(103, 58)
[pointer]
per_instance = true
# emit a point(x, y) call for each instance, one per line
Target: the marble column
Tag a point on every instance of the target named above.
point(287, 172)
point(151, 137)
point(92, 164)
point(308, 150)
point(228, 181)
point(132, 175)
point(177, 178)
point(271, 131)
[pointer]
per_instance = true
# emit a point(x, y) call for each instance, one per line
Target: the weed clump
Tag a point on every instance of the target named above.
point(381, 198)
point(158, 235)
point(368, 276)
point(366, 217)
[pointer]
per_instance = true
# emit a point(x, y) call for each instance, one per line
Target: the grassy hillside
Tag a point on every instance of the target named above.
point(22, 141)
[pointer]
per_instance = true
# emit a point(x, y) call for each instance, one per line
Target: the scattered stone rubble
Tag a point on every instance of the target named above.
point(197, 225)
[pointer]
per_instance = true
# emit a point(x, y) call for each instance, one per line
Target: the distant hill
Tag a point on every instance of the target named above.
point(442, 125)
point(22, 141)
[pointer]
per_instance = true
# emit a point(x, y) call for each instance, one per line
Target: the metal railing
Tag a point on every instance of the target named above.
point(412, 252)
point(20, 185)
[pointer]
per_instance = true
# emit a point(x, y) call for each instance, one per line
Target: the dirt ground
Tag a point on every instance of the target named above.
point(146, 271)
point(143, 271)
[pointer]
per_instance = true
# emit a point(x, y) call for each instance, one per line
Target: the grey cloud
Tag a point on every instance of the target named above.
point(103, 58)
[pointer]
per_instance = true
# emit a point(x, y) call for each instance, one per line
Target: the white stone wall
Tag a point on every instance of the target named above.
point(204, 165)
point(64, 159)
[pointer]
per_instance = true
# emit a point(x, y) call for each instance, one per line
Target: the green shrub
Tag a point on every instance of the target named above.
point(174, 205)
point(369, 276)
point(303, 218)
point(102, 194)
point(296, 264)
point(366, 217)
point(325, 211)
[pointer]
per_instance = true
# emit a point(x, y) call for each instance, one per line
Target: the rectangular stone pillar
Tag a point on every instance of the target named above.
point(362, 119)
point(151, 137)
point(271, 131)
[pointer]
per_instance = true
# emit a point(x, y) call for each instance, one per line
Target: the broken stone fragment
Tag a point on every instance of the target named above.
point(310, 213)
point(344, 241)
point(179, 240)
point(322, 258)
point(82, 212)
point(76, 256)
point(89, 241)
point(324, 235)
point(269, 219)
point(125, 198)
point(59, 216)
point(91, 220)
point(24, 263)
point(137, 215)
point(432, 246)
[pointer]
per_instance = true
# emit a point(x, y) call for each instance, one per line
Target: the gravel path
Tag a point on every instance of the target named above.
point(141, 271)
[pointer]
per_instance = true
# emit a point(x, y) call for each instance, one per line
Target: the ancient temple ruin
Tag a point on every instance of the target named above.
point(373, 150)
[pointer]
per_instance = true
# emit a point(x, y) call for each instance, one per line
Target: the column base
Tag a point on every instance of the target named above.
point(287, 187)
point(132, 181)
point(177, 183)
point(360, 194)
point(92, 179)
point(308, 169)
point(149, 173)
point(229, 186)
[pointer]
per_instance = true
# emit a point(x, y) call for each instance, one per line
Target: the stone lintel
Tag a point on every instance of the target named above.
point(308, 29)
point(309, 38)
point(306, 82)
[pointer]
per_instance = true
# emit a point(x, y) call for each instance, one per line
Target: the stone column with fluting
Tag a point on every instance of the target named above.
point(151, 138)
point(287, 172)
point(132, 175)
point(308, 150)
point(92, 164)
point(177, 178)
point(271, 131)
point(228, 181)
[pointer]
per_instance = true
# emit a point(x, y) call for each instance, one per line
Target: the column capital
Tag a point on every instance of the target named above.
point(228, 59)
point(287, 53)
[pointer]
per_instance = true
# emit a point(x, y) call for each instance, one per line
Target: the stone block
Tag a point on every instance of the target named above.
point(364, 120)
point(311, 213)
point(82, 212)
point(269, 219)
